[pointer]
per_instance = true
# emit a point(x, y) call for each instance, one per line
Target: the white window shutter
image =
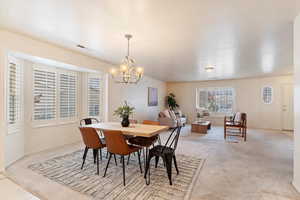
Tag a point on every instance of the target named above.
point(68, 95)
point(94, 96)
point(44, 94)
point(15, 97)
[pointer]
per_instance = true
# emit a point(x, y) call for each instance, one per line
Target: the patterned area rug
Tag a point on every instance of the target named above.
point(66, 170)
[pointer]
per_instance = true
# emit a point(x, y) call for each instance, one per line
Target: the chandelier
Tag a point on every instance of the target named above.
point(127, 72)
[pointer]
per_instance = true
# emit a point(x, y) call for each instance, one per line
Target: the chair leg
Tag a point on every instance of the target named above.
point(84, 156)
point(139, 157)
point(147, 167)
point(168, 160)
point(156, 161)
point(95, 154)
point(115, 160)
point(123, 164)
point(110, 154)
point(224, 132)
point(245, 134)
point(97, 158)
point(100, 154)
point(175, 163)
point(128, 159)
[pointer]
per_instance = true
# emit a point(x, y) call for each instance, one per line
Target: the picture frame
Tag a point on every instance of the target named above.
point(152, 96)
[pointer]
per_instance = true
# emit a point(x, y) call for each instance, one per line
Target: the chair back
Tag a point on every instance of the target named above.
point(91, 138)
point(244, 119)
point(88, 121)
point(149, 122)
point(115, 142)
point(173, 138)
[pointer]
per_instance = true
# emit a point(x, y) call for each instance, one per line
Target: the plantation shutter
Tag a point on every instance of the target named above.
point(44, 94)
point(94, 96)
point(68, 95)
point(15, 100)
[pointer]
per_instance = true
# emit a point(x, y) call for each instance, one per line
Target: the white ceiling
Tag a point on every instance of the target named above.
point(173, 39)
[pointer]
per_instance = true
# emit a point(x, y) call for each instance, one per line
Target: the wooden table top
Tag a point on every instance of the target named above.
point(134, 129)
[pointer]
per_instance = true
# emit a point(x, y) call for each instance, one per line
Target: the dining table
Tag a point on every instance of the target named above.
point(143, 130)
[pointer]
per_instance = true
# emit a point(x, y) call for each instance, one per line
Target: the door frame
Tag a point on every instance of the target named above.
point(281, 104)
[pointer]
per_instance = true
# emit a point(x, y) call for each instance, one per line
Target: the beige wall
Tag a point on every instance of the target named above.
point(19, 43)
point(296, 181)
point(137, 96)
point(38, 139)
point(248, 99)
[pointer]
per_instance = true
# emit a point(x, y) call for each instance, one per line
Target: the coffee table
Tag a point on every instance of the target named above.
point(201, 127)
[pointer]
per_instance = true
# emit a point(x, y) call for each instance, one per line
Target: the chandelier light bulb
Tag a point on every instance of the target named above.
point(123, 68)
point(139, 70)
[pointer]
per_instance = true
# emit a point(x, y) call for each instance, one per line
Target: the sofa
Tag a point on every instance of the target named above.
point(171, 118)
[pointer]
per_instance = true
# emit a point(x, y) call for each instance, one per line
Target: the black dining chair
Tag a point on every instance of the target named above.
point(166, 152)
point(87, 121)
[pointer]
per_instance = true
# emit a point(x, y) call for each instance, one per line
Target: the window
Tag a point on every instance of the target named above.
point(94, 95)
point(15, 100)
point(216, 100)
point(67, 95)
point(44, 94)
point(267, 94)
point(54, 90)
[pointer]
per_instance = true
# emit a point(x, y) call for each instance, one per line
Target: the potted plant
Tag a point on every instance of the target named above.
point(171, 102)
point(123, 112)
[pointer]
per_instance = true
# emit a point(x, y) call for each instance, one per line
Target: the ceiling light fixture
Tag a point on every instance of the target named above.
point(127, 72)
point(209, 68)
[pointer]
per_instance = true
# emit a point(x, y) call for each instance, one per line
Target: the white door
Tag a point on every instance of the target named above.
point(14, 139)
point(288, 107)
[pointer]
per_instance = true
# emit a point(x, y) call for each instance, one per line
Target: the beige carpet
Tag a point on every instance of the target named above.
point(66, 170)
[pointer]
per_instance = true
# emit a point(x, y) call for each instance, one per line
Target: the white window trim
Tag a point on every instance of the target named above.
point(217, 114)
point(57, 120)
point(262, 94)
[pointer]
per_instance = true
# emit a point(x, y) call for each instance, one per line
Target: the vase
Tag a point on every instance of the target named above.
point(125, 121)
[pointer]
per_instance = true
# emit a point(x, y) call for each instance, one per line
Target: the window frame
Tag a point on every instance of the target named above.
point(216, 114)
point(262, 94)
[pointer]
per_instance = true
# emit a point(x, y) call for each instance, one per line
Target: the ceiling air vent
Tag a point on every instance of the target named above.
point(80, 46)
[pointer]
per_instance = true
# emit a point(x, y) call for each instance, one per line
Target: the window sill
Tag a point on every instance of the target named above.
point(36, 125)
